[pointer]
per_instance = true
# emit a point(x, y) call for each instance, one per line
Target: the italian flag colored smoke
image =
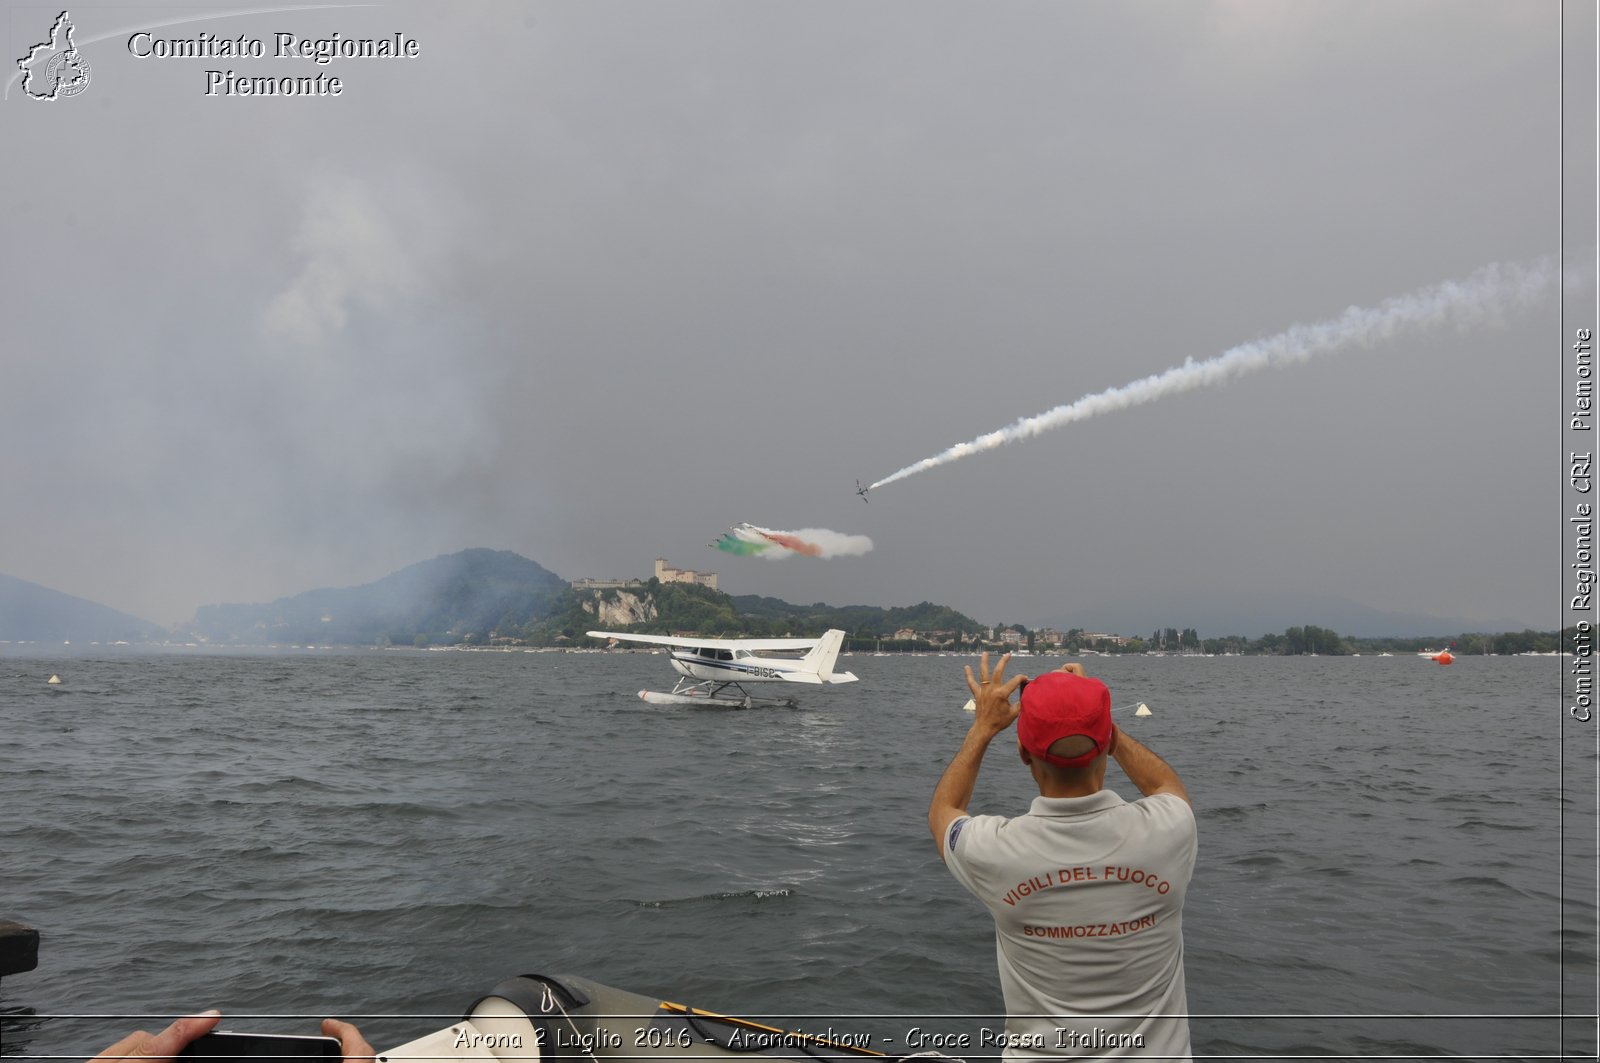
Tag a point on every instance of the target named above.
point(746, 540)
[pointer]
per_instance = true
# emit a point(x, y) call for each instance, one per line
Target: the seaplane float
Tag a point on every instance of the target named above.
point(563, 1017)
point(714, 671)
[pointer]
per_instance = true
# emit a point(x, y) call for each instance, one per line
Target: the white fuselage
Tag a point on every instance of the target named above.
point(716, 663)
point(731, 666)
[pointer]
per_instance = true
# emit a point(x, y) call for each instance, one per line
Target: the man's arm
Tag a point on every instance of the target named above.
point(951, 796)
point(1144, 768)
point(993, 714)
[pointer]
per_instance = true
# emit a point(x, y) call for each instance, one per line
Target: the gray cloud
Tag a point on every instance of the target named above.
point(588, 279)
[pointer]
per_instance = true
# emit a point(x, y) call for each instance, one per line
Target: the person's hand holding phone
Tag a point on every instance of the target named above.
point(351, 1042)
point(221, 1046)
point(163, 1045)
point(195, 1039)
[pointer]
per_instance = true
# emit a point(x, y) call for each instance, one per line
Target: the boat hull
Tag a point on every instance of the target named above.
point(564, 1017)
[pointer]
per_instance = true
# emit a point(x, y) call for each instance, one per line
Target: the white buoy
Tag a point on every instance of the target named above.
point(1142, 710)
point(53, 680)
point(970, 706)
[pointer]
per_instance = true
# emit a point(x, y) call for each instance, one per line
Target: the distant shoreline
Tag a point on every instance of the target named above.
point(30, 648)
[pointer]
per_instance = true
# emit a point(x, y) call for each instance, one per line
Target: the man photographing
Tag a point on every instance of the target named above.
point(1086, 890)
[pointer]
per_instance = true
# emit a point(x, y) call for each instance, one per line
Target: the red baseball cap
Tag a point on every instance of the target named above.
point(1059, 705)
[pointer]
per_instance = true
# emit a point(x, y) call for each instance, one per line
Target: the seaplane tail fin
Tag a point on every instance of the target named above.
point(819, 662)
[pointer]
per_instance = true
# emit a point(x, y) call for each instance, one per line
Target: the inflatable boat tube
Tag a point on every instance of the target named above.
point(567, 1019)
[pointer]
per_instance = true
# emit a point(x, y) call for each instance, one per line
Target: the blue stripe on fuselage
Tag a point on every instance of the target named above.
point(731, 666)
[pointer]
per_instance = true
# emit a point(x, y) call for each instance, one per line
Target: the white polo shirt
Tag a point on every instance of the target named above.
point(1087, 899)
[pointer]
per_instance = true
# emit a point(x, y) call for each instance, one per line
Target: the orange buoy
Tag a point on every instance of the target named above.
point(1444, 657)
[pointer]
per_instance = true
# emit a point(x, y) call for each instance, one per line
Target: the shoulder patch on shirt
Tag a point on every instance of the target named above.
point(955, 832)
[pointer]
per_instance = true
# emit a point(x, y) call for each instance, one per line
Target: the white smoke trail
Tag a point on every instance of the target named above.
point(829, 543)
point(1478, 298)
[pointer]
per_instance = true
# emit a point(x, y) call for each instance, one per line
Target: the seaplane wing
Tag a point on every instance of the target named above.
point(711, 667)
point(754, 645)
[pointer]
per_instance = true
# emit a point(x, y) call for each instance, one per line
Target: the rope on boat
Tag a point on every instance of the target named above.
point(548, 1000)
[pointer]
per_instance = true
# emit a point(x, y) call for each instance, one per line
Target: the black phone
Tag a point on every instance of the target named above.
point(220, 1046)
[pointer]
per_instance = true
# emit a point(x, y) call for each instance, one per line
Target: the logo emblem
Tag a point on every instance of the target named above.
point(955, 832)
point(55, 69)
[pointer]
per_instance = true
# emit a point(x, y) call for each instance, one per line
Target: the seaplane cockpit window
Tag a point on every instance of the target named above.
point(740, 655)
point(708, 653)
point(724, 655)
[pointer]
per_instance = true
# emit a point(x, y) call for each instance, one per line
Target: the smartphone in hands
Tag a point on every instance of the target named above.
point(225, 1046)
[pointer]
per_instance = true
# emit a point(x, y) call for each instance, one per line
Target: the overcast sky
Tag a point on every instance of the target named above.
point(592, 281)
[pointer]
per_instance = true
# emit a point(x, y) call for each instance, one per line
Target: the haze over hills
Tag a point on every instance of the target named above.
point(473, 591)
point(31, 613)
point(469, 595)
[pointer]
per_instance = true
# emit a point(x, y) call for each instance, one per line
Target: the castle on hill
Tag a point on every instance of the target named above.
point(667, 574)
point(664, 572)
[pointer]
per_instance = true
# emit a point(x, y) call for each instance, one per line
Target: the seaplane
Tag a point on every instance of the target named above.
point(713, 671)
point(862, 489)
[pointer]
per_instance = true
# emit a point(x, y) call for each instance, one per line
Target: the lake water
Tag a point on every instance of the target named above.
point(1395, 858)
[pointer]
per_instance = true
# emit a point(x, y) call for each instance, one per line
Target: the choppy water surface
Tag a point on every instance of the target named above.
point(386, 835)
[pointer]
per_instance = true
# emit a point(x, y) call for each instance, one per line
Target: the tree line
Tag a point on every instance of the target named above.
point(690, 609)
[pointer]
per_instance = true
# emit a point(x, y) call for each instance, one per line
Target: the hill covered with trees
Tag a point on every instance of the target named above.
point(483, 597)
point(495, 597)
point(454, 598)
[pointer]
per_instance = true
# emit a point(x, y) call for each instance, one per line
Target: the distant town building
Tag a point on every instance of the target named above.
point(667, 574)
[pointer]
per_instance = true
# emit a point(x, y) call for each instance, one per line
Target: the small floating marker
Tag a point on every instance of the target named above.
point(1142, 710)
point(1444, 657)
point(970, 706)
point(54, 680)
